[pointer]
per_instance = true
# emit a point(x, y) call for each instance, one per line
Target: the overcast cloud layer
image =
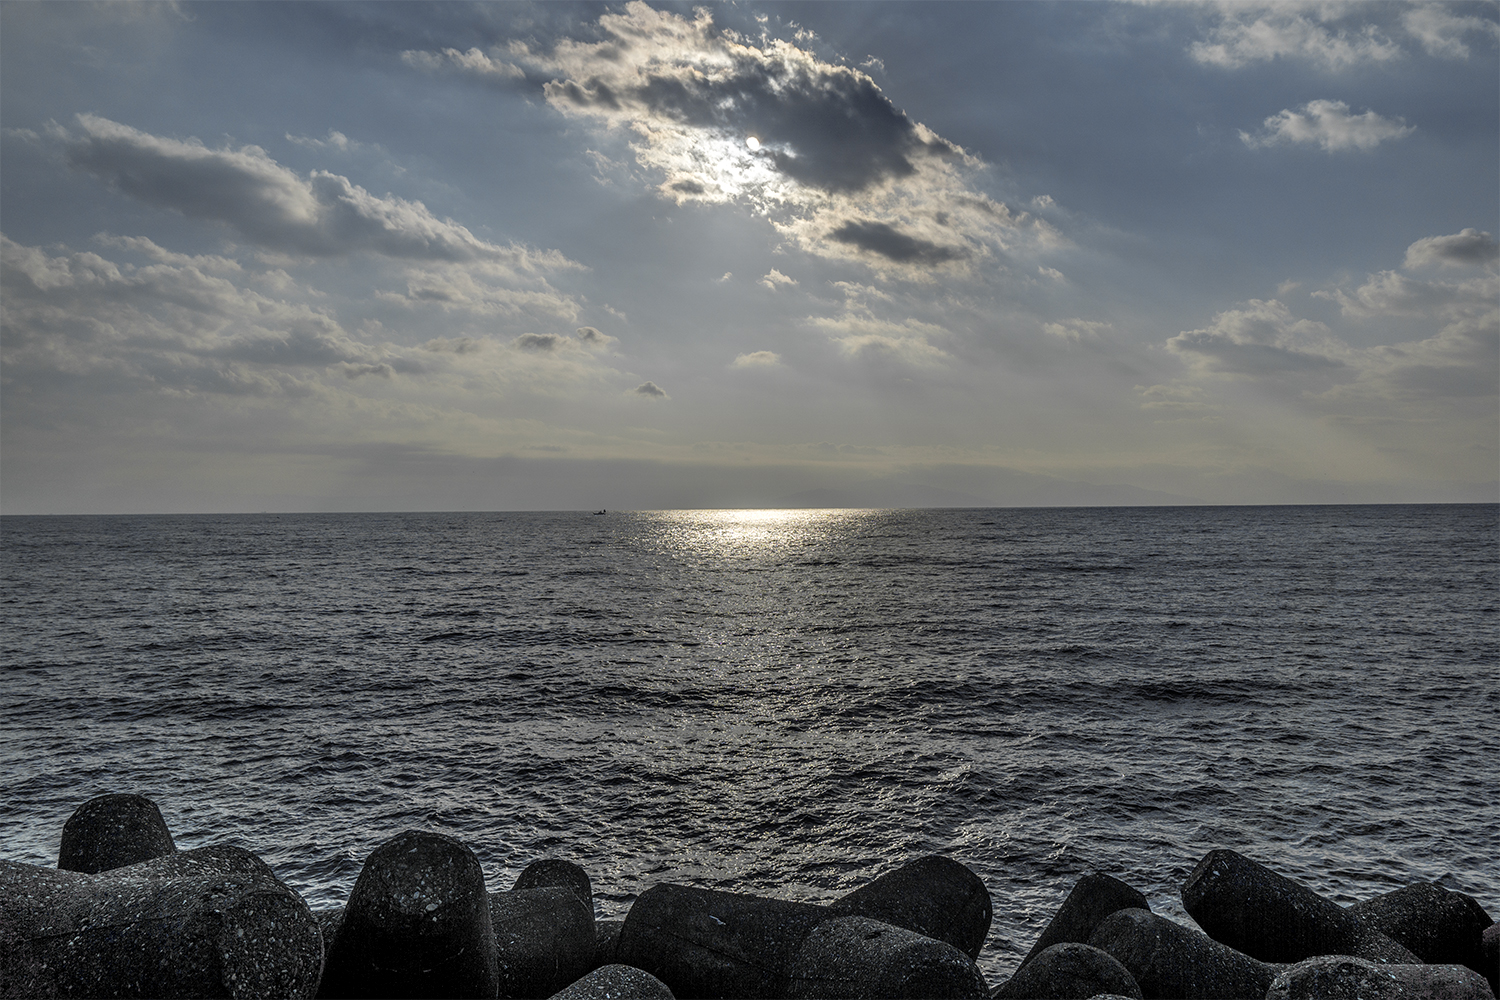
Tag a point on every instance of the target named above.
point(447, 256)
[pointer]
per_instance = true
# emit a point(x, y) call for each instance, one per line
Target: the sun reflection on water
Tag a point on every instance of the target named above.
point(758, 533)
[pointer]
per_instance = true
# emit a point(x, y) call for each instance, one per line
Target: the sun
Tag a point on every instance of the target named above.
point(753, 143)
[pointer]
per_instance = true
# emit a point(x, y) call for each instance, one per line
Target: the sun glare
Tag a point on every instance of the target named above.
point(753, 143)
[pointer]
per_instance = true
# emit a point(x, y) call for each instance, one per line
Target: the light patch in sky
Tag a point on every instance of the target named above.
point(1328, 124)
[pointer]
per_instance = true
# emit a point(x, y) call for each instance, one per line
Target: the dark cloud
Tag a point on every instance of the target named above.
point(322, 215)
point(825, 126)
point(539, 342)
point(650, 389)
point(889, 242)
point(591, 335)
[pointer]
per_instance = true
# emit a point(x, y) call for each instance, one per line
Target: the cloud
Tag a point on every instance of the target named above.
point(650, 389)
point(1260, 339)
point(539, 342)
point(167, 327)
point(1250, 33)
point(322, 214)
point(837, 167)
point(757, 359)
point(1451, 350)
point(775, 278)
point(889, 242)
point(594, 339)
point(1442, 33)
point(1469, 247)
point(1076, 330)
point(473, 61)
point(1330, 125)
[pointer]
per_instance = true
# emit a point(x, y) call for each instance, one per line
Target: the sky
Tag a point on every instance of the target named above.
point(346, 256)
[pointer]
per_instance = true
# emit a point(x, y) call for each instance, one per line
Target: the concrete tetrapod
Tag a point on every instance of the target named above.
point(417, 925)
point(616, 982)
point(703, 943)
point(1344, 977)
point(1267, 916)
point(852, 958)
point(111, 831)
point(1171, 962)
point(934, 896)
point(556, 872)
point(544, 939)
point(1069, 971)
point(214, 921)
point(1439, 926)
point(1093, 898)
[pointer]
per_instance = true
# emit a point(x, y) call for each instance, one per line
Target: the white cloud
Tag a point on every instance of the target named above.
point(1249, 33)
point(650, 390)
point(776, 278)
point(840, 170)
point(757, 359)
point(1442, 33)
point(473, 61)
point(1076, 330)
point(1330, 125)
point(1451, 349)
point(1467, 248)
point(1261, 338)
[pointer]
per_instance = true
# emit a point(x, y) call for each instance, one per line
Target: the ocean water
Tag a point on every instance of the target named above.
point(780, 702)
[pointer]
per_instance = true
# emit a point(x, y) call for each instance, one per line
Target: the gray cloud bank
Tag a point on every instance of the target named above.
point(322, 215)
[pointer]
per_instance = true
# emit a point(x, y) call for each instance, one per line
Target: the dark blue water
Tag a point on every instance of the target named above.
point(784, 702)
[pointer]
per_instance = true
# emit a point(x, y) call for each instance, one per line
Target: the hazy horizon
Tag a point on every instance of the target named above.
point(451, 256)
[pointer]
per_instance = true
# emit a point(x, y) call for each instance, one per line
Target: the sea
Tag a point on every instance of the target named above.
point(780, 702)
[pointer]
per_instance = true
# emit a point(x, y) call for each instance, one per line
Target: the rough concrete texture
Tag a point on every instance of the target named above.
point(606, 941)
point(847, 958)
point(935, 896)
point(1170, 961)
point(112, 831)
point(1440, 927)
point(1344, 977)
point(417, 925)
point(1069, 971)
point(1095, 897)
point(1267, 916)
point(551, 872)
point(706, 944)
point(1489, 944)
point(616, 982)
point(214, 921)
point(544, 939)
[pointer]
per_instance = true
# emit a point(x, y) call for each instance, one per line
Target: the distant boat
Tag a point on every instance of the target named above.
point(600, 512)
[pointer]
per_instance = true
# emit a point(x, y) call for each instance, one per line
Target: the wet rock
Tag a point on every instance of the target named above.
point(544, 939)
point(1438, 926)
point(329, 922)
point(1069, 971)
point(1095, 897)
point(417, 925)
point(214, 921)
point(703, 943)
point(1267, 916)
point(556, 872)
point(111, 831)
point(1344, 977)
point(1490, 945)
point(606, 941)
point(616, 982)
point(934, 896)
point(855, 957)
point(1170, 961)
